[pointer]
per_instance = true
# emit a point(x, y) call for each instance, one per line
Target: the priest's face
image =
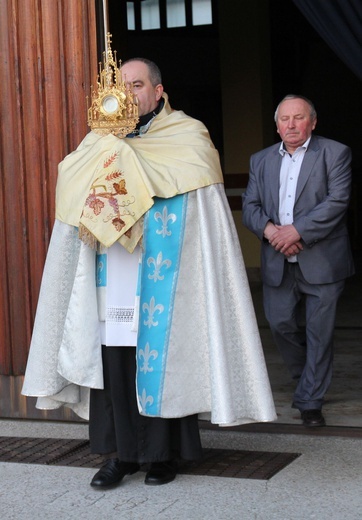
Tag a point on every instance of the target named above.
point(136, 74)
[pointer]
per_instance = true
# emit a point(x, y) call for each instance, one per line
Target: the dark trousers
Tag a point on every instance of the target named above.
point(115, 424)
point(306, 349)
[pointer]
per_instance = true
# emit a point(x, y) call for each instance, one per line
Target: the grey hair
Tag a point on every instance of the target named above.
point(154, 72)
point(313, 112)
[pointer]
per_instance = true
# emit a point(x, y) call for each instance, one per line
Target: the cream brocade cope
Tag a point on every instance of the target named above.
point(215, 365)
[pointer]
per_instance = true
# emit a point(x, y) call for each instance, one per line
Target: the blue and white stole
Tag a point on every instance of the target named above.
point(162, 241)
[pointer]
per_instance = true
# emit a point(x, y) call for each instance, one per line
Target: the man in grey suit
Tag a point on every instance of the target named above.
point(296, 202)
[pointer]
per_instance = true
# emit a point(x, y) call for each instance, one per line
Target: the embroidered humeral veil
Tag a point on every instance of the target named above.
point(198, 348)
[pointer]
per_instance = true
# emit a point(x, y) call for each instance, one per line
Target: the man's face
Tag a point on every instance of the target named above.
point(136, 74)
point(294, 123)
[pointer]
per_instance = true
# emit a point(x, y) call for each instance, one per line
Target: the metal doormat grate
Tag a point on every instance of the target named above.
point(259, 465)
point(74, 452)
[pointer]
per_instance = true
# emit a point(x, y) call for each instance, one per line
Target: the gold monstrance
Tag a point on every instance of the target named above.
point(114, 107)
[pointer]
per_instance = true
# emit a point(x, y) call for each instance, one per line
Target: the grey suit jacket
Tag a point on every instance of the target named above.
point(322, 198)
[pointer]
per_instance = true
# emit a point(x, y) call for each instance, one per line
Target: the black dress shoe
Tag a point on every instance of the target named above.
point(313, 418)
point(113, 472)
point(161, 473)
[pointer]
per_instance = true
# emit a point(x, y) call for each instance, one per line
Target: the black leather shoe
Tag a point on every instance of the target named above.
point(313, 418)
point(113, 472)
point(161, 473)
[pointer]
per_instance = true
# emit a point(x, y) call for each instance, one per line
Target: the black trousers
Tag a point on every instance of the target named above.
point(115, 424)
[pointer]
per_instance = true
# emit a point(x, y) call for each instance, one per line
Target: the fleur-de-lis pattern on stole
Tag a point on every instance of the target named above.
point(163, 236)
